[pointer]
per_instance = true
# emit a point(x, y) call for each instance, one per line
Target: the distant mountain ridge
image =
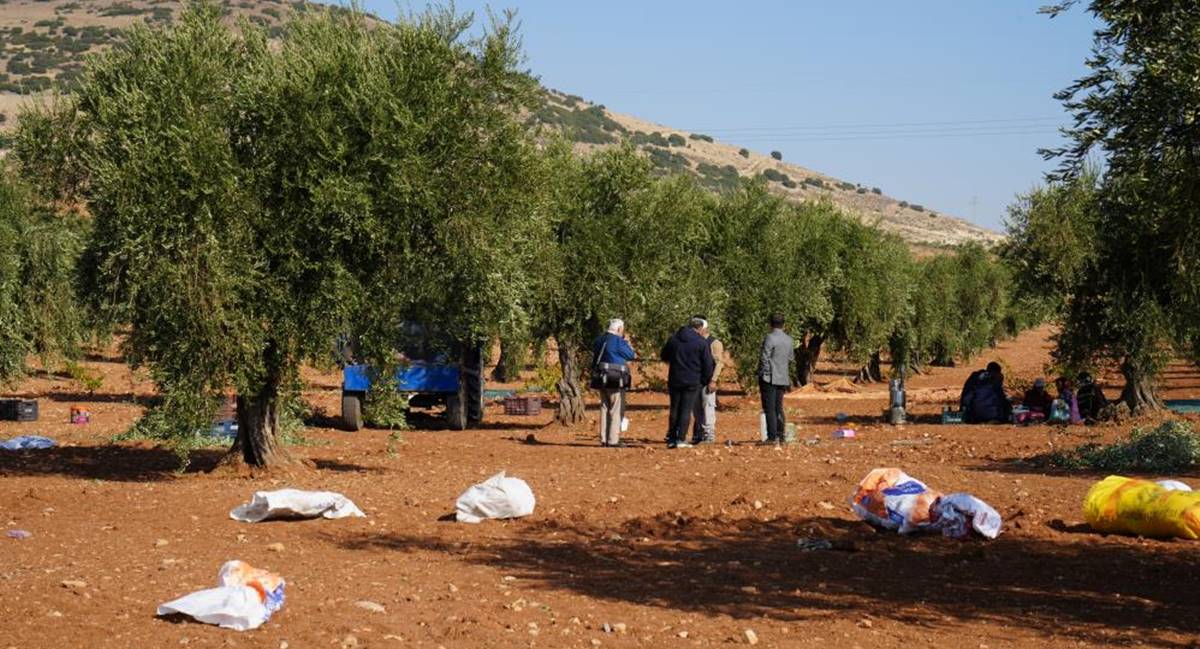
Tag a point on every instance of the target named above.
point(43, 44)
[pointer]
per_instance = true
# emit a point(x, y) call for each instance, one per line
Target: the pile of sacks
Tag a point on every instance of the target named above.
point(891, 499)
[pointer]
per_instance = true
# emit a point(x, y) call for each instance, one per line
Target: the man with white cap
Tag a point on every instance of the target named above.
point(610, 353)
point(705, 429)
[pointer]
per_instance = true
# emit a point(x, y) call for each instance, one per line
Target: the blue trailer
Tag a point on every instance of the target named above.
point(428, 379)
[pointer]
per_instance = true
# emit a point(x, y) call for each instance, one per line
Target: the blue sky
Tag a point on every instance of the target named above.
point(938, 102)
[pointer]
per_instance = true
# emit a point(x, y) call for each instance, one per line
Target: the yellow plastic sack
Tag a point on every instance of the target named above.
point(1130, 506)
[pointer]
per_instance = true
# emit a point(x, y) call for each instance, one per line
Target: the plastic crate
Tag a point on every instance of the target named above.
point(523, 406)
point(18, 410)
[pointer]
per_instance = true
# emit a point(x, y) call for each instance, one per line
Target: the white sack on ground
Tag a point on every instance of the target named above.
point(497, 497)
point(957, 514)
point(245, 599)
point(1173, 485)
point(294, 503)
point(26, 442)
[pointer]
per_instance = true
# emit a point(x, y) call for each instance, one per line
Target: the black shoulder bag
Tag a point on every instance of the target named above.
point(608, 376)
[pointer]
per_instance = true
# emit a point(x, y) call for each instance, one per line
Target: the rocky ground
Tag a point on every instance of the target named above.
point(641, 546)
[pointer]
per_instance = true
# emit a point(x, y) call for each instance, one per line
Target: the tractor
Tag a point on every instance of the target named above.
point(429, 372)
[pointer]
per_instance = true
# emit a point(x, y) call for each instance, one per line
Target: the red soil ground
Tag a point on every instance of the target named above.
point(683, 548)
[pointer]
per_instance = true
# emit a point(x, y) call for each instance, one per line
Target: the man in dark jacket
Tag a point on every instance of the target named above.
point(986, 401)
point(973, 382)
point(690, 367)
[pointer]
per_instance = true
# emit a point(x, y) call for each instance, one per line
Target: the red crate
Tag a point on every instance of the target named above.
point(523, 406)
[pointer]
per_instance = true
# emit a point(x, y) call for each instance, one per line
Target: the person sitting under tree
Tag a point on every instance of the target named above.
point(983, 399)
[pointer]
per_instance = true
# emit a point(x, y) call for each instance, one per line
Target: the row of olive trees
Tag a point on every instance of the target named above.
point(657, 250)
point(251, 201)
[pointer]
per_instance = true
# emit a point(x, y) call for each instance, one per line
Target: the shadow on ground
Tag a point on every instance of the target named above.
point(115, 462)
point(746, 568)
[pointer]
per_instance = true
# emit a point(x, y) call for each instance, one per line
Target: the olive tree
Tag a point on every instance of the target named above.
point(622, 244)
point(1052, 242)
point(870, 294)
point(1137, 108)
point(777, 257)
point(39, 313)
point(253, 200)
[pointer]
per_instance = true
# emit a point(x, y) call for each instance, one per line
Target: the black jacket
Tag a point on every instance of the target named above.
point(690, 359)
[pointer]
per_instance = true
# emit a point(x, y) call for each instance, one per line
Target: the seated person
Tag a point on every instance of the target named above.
point(973, 382)
point(1090, 397)
point(1070, 404)
point(1037, 400)
point(986, 402)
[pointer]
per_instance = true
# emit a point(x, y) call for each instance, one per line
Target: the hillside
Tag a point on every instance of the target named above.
point(43, 44)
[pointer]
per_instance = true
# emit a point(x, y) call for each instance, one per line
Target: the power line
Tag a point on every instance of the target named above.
point(835, 127)
point(890, 136)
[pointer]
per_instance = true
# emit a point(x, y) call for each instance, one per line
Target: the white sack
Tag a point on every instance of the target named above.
point(498, 497)
point(229, 607)
point(959, 513)
point(25, 442)
point(293, 503)
point(245, 599)
point(1173, 485)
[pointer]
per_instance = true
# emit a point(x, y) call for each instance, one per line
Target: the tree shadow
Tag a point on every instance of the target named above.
point(345, 467)
point(744, 568)
point(1043, 464)
point(106, 397)
point(114, 462)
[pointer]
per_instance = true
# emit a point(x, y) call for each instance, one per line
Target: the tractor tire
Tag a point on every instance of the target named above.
point(352, 418)
point(473, 392)
point(456, 411)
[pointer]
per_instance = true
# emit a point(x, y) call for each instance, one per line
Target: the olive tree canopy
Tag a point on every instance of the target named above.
point(255, 199)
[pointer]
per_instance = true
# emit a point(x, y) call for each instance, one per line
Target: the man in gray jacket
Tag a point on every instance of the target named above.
point(774, 379)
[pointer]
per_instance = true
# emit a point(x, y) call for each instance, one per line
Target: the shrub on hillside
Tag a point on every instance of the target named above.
point(917, 208)
point(903, 204)
point(815, 182)
point(701, 136)
point(653, 139)
point(774, 175)
point(845, 186)
point(777, 155)
point(789, 183)
point(860, 190)
point(721, 179)
point(667, 162)
point(876, 191)
point(745, 153)
point(1169, 448)
point(676, 139)
point(122, 9)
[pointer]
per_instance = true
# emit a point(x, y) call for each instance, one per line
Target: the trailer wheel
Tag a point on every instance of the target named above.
point(352, 419)
point(456, 411)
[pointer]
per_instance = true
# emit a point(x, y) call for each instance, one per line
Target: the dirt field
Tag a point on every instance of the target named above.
point(669, 548)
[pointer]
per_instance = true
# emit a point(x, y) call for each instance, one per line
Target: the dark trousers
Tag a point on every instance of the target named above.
point(772, 407)
point(683, 403)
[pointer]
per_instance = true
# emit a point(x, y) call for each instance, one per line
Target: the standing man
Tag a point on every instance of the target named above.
point(611, 352)
point(705, 430)
point(774, 379)
point(690, 367)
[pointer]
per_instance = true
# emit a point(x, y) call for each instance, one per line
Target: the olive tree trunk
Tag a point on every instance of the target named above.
point(1139, 393)
point(570, 394)
point(807, 355)
point(872, 372)
point(259, 443)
